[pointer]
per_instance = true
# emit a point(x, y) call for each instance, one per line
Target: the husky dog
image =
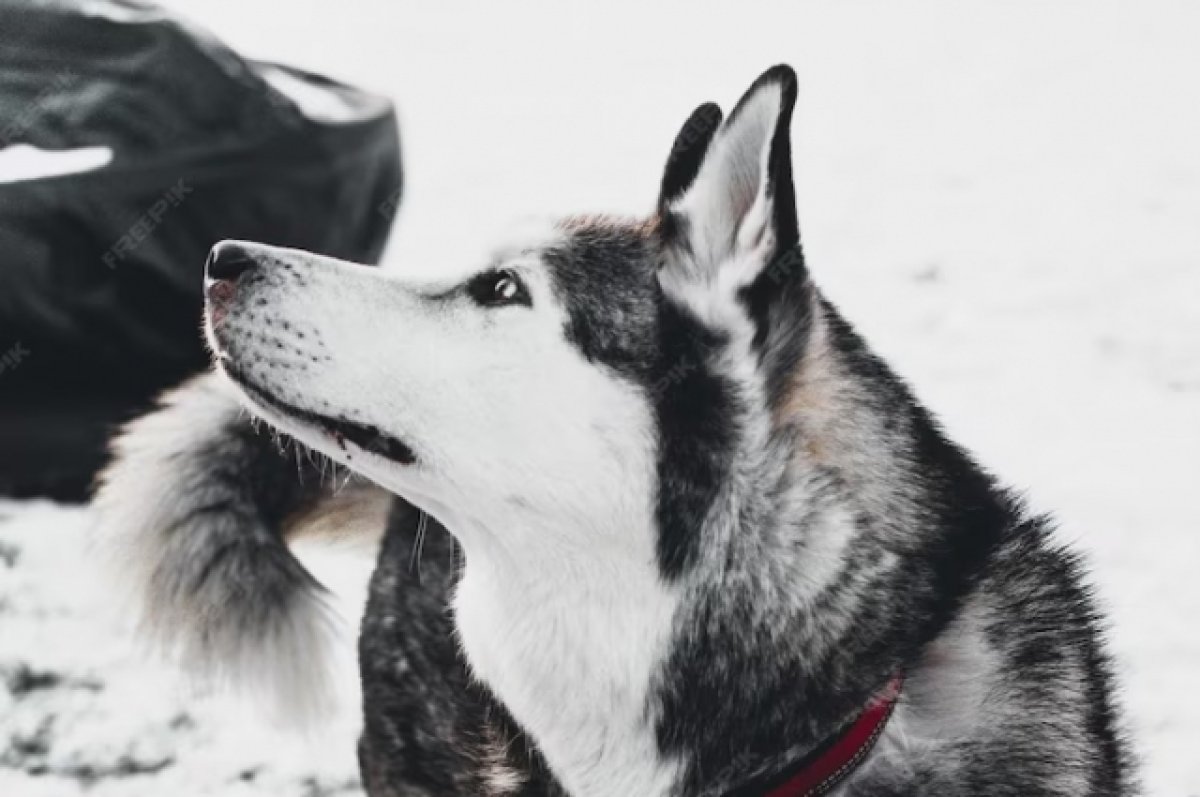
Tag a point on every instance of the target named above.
point(689, 536)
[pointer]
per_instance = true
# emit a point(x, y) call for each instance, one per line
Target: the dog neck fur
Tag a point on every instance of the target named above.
point(569, 640)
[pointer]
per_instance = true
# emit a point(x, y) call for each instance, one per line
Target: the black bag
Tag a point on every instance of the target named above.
point(101, 270)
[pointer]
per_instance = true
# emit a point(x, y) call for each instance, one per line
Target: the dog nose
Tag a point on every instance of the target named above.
point(227, 261)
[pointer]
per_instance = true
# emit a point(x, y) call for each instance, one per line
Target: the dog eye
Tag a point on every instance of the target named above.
point(498, 288)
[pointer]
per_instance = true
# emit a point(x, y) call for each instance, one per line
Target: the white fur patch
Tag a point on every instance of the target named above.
point(569, 644)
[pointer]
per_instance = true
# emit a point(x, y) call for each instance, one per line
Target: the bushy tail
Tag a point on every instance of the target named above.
point(191, 516)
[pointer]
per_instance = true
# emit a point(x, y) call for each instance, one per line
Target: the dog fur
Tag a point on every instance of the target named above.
point(677, 523)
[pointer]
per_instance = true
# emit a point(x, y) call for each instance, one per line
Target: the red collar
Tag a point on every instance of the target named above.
point(821, 771)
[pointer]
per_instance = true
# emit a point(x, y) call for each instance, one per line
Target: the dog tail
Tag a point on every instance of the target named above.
point(191, 515)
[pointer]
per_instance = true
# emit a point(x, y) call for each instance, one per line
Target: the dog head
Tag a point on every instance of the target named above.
point(604, 376)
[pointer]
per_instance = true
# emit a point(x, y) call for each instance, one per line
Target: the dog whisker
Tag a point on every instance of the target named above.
point(414, 564)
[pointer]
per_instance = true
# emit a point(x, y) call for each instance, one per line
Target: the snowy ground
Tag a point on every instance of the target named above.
point(84, 711)
point(1004, 198)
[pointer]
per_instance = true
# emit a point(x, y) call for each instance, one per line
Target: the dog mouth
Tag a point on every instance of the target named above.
point(342, 430)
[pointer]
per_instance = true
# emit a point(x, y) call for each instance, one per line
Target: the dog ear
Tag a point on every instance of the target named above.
point(730, 237)
point(688, 153)
point(727, 205)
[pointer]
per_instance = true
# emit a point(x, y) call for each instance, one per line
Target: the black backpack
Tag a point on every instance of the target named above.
point(101, 270)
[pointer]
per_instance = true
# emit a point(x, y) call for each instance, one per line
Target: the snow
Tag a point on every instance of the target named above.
point(83, 709)
point(1004, 198)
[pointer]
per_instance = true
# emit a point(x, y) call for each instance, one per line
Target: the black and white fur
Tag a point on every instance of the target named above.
point(684, 523)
